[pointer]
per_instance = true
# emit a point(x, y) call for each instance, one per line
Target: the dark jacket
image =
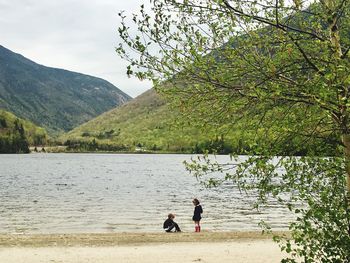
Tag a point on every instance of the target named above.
point(197, 213)
point(168, 223)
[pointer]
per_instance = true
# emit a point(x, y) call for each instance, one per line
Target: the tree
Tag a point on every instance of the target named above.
point(19, 139)
point(285, 65)
point(3, 123)
point(14, 140)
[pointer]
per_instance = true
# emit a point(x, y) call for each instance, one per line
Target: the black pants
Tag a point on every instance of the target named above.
point(174, 225)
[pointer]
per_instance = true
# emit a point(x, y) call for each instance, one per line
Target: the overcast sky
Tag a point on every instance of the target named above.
point(77, 35)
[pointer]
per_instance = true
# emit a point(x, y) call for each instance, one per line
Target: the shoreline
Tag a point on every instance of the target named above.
point(218, 247)
point(50, 151)
point(127, 239)
point(62, 149)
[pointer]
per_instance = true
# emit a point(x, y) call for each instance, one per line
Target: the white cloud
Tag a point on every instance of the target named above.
point(76, 35)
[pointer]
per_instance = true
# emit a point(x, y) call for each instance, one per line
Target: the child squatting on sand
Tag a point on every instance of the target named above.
point(169, 224)
point(197, 214)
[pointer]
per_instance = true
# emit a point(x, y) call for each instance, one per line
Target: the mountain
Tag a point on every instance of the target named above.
point(56, 99)
point(17, 134)
point(144, 123)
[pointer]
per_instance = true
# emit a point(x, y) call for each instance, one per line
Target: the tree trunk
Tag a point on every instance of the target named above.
point(346, 141)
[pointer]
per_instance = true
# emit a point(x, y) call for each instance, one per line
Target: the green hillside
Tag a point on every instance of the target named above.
point(16, 134)
point(56, 99)
point(148, 123)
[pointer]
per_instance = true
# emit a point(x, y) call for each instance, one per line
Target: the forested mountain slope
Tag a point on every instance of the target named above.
point(56, 99)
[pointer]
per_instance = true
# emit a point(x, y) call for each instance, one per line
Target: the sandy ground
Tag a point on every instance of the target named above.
point(144, 248)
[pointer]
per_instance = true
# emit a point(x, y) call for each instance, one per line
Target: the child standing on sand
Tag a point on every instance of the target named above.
point(198, 210)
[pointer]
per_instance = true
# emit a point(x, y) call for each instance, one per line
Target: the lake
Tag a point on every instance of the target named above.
point(75, 193)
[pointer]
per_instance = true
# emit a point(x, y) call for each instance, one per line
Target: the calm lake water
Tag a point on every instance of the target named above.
point(71, 193)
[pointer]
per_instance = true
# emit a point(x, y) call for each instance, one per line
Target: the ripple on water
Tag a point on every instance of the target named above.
point(63, 193)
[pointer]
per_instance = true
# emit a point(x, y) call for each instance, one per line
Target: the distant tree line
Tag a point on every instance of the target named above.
point(219, 144)
point(94, 146)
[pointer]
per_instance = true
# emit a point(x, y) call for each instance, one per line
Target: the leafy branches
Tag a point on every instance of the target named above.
point(284, 64)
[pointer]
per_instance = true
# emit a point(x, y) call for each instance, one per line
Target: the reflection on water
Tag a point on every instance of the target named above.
point(70, 193)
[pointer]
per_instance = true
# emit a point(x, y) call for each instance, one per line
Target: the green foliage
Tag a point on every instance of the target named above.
point(217, 146)
point(148, 122)
point(312, 188)
point(94, 146)
point(283, 68)
point(12, 136)
point(16, 135)
point(3, 123)
point(56, 99)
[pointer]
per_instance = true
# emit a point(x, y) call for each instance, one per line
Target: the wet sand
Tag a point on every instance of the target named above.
point(239, 247)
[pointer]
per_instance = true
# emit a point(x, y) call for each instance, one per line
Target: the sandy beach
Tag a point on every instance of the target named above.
point(239, 247)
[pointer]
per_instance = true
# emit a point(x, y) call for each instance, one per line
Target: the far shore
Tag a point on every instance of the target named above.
point(63, 149)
